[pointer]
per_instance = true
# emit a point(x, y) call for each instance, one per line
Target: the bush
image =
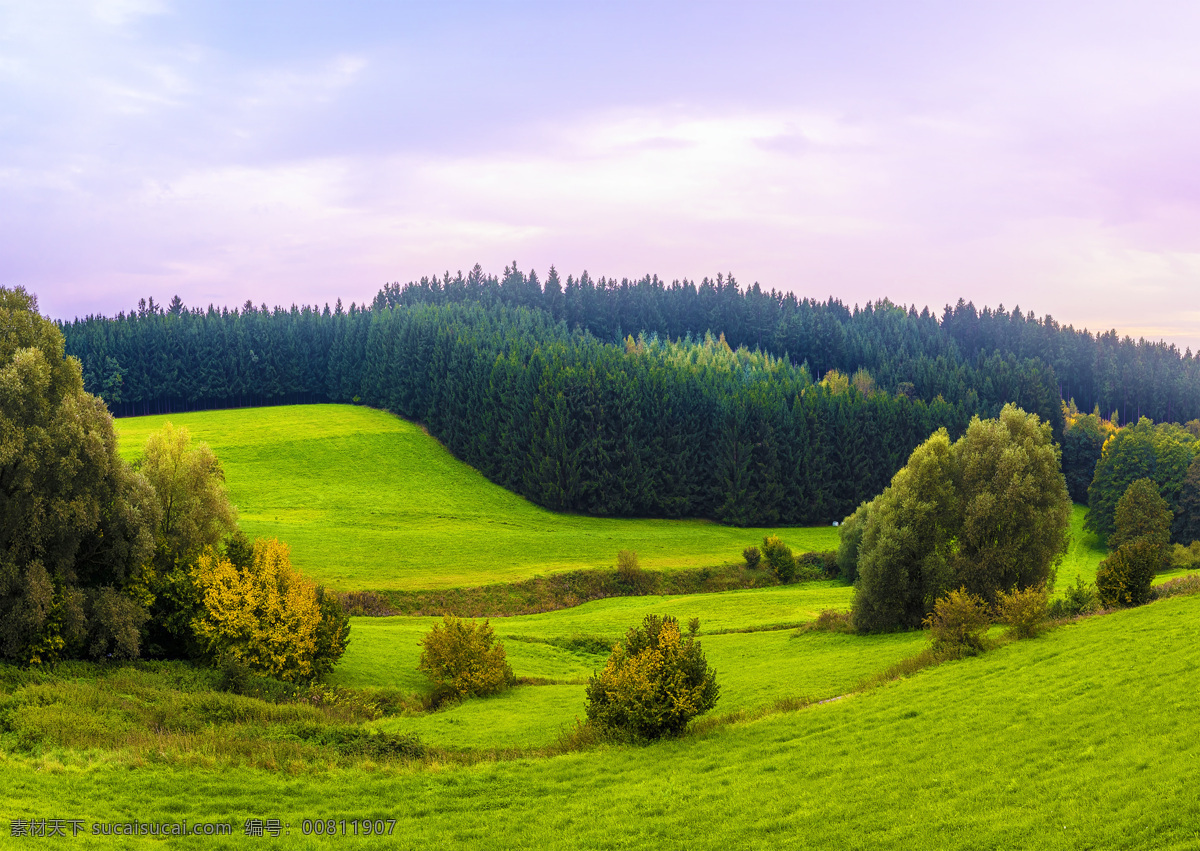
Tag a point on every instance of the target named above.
point(829, 620)
point(1183, 586)
point(958, 622)
point(463, 659)
point(630, 576)
point(752, 557)
point(819, 564)
point(369, 604)
point(333, 632)
point(265, 614)
point(1024, 610)
point(1185, 558)
point(653, 684)
point(1124, 578)
point(850, 536)
point(779, 558)
point(1079, 599)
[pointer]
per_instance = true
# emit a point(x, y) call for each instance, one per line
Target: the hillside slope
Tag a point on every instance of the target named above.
point(369, 501)
point(1082, 738)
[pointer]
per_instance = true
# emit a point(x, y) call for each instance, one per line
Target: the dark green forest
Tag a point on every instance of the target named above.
point(639, 398)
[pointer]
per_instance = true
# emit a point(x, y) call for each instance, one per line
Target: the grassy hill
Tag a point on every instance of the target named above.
point(369, 501)
point(1082, 738)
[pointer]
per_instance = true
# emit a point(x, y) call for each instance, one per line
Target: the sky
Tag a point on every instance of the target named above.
point(1041, 155)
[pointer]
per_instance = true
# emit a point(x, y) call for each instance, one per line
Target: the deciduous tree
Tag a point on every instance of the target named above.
point(75, 521)
point(988, 512)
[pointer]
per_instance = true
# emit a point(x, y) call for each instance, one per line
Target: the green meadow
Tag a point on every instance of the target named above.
point(1081, 738)
point(1083, 553)
point(369, 501)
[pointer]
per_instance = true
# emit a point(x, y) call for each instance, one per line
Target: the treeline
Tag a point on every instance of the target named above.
point(266, 356)
point(1132, 379)
point(646, 427)
point(614, 398)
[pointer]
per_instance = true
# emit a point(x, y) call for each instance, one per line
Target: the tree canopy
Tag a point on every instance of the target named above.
point(74, 519)
point(1161, 453)
point(987, 513)
point(99, 559)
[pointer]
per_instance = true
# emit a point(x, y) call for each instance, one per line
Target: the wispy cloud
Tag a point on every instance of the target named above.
point(1042, 157)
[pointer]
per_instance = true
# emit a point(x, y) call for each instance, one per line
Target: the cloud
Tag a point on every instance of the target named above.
point(1044, 158)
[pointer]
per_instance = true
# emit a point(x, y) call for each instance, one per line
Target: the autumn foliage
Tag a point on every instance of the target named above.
point(655, 682)
point(265, 615)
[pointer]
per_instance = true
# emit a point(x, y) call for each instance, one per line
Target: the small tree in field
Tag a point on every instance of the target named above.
point(464, 659)
point(1124, 578)
point(256, 610)
point(654, 683)
point(779, 558)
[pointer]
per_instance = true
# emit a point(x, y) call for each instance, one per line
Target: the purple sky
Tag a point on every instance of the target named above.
point(1036, 154)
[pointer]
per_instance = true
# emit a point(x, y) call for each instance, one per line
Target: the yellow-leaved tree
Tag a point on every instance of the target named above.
point(257, 610)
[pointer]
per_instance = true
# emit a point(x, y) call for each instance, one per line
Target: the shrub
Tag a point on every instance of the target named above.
point(333, 632)
point(463, 659)
point(630, 576)
point(370, 604)
point(1185, 558)
point(819, 564)
point(1078, 599)
point(779, 558)
point(752, 557)
point(829, 620)
point(1184, 585)
point(849, 538)
point(958, 622)
point(266, 615)
point(1124, 578)
point(653, 684)
point(1024, 610)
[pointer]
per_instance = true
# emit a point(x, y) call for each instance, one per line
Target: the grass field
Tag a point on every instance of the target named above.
point(383, 652)
point(755, 668)
point(1083, 555)
point(1082, 738)
point(369, 501)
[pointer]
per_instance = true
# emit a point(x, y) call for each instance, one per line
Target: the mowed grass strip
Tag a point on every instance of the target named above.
point(1082, 738)
point(368, 501)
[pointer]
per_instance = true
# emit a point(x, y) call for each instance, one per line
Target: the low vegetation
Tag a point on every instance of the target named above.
point(654, 683)
point(958, 623)
point(1025, 610)
point(1072, 692)
point(463, 659)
